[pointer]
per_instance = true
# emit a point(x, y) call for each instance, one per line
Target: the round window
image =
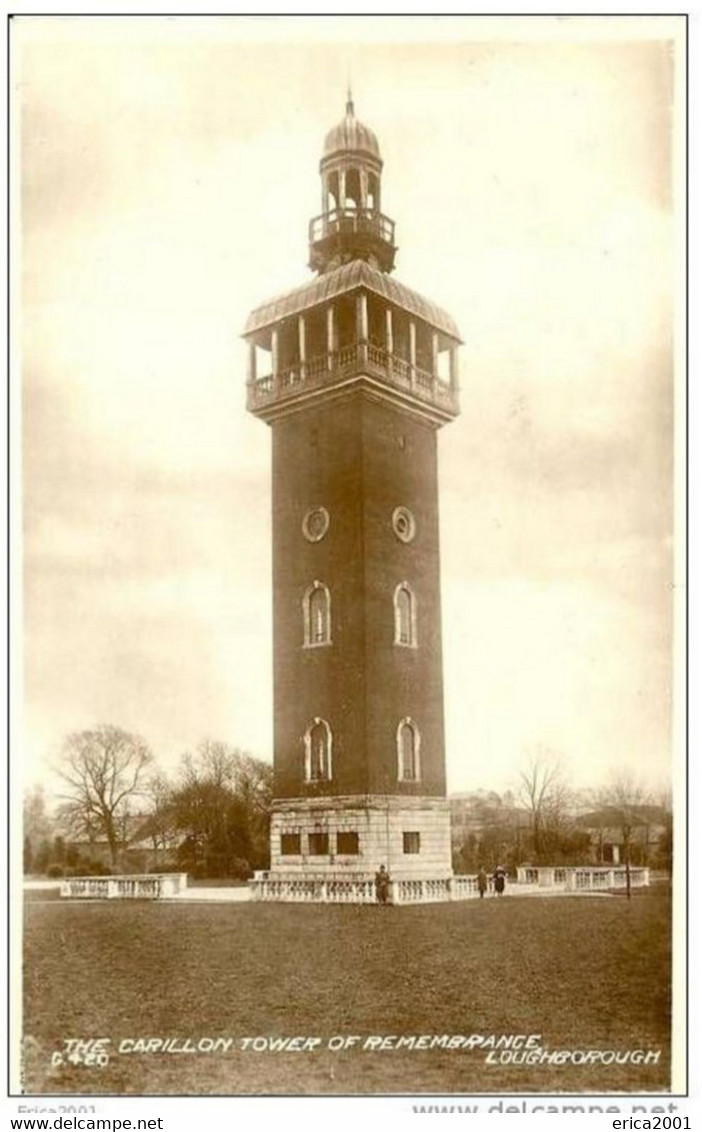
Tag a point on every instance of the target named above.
point(315, 524)
point(403, 524)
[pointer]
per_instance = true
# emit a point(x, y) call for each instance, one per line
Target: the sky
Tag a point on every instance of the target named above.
point(167, 170)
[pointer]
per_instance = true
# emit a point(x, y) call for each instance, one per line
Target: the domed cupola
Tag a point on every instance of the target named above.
point(351, 135)
point(351, 225)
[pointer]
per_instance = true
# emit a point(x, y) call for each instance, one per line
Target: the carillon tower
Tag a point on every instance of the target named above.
point(355, 374)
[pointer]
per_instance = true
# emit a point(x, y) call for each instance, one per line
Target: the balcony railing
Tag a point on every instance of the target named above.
point(356, 221)
point(367, 358)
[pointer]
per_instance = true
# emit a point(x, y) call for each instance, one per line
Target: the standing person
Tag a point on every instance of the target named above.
point(382, 885)
point(499, 880)
point(482, 882)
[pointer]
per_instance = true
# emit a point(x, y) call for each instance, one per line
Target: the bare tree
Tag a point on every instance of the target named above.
point(623, 800)
point(102, 771)
point(544, 793)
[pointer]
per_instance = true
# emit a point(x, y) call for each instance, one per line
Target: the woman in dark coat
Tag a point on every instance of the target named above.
point(382, 885)
point(499, 880)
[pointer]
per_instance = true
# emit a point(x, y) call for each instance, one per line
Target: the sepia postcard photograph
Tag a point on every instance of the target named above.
point(347, 430)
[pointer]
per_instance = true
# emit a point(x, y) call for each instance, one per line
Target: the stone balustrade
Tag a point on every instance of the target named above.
point(151, 886)
point(581, 878)
point(361, 890)
point(296, 890)
point(349, 889)
point(357, 358)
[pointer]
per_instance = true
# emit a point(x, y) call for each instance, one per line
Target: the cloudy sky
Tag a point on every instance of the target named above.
point(168, 171)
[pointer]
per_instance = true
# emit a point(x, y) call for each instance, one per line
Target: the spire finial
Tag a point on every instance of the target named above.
point(349, 97)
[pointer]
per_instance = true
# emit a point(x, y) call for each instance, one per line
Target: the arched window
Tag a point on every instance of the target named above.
point(318, 751)
point(408, 751)
point(316, 609)
point(405, 616)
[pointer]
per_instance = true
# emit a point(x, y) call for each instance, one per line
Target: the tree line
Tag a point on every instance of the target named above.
point(117, 810)
point(210, 819)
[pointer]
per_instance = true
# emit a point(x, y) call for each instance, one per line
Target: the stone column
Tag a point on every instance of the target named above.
point(362, 327)
point(364, 190)
point(342, 189)
point(453, 368)
point(274, 355)
point(435, 363)
point(331, 336)
point(412, 350)
point(389, 338)
point(251, 371)
point(302, 343)
point(362, 317)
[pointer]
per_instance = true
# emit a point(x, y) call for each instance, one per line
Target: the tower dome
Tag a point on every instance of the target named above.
point(351, 135)
point(351, 225)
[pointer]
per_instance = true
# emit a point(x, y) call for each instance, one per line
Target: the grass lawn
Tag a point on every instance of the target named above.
point(584, 973)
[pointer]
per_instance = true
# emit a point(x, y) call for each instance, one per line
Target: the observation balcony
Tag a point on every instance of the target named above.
point(355, 233)
point(353, 325)
point(350, 221)
point(369, 360)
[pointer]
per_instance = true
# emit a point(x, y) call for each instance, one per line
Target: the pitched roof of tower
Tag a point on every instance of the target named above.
point(338, 282)
point(350, 134)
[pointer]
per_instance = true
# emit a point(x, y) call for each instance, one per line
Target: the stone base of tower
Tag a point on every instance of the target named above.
point(329, 850)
